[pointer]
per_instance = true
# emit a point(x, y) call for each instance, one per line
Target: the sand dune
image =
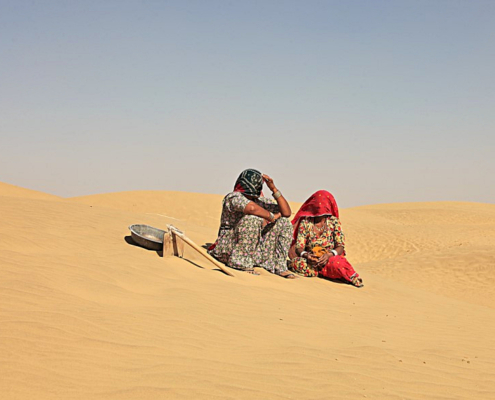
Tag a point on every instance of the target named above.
point(16, 191)
point(445, 247)
point(201, 209)
point(86, 315)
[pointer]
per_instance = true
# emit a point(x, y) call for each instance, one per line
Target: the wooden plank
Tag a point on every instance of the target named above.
point(185, 239)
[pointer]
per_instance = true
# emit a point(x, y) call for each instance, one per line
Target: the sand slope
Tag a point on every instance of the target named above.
point(16, 191)
point(201, 209)
point(444, 247)
point(84, 314)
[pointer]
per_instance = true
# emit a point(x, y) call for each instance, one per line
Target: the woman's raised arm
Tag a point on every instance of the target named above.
point(278, 196)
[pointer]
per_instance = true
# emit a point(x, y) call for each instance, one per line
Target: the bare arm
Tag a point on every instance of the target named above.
point(301, 239)
point(282, 202)
point(339, 250)
point(254, 209)
point(338, 237)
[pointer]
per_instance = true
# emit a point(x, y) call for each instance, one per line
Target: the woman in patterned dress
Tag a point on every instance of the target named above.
point(254, 231)
point(318, 241)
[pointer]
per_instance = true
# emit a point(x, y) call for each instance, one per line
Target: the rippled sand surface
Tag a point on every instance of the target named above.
point(84, 314)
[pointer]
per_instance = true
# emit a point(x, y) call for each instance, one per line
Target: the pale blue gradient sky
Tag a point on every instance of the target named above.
point(375, 101)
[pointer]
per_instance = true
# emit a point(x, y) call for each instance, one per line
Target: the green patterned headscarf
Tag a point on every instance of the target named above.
point(250, 182)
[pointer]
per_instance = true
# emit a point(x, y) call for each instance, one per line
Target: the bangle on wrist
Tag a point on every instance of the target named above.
point(272, 217)
point(334, 252)
point(303, 253)
point(277, 194)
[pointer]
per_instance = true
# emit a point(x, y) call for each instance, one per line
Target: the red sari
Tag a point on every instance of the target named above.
point(320, 204)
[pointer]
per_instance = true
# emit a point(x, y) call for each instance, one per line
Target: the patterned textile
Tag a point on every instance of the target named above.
point(305, 238)
point(318, 204)
point(337, 268)
point(331, 237)
point(244, 243)
point(250, 182)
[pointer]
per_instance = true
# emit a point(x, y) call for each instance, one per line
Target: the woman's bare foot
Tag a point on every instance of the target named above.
point(287, 275)
point(251, 271)
point(357, 281)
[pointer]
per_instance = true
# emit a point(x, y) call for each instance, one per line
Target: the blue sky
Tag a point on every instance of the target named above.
point(375, 101)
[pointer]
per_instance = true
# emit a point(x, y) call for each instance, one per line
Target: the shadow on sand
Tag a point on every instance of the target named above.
point(159, 253)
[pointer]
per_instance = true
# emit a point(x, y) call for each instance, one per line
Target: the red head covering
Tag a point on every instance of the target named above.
point(318, 204)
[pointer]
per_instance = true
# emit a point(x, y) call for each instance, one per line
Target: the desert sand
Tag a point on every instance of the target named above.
point(86, 315)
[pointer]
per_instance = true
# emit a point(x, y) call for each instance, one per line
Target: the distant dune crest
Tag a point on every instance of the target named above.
point(17, 191)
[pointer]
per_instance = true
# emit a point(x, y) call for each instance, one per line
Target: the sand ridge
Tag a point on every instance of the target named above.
point(85, 314)
point(20, 192)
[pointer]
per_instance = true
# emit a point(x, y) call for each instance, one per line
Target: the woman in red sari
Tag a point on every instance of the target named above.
point(318, 244)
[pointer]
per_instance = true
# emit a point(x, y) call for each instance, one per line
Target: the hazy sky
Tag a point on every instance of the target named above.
point(375, 101)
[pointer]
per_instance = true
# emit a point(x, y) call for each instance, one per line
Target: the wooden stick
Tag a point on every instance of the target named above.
point(200, 251)
point(168, 245)
point(174, 243)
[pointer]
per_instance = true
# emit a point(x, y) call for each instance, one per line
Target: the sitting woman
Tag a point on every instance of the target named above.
point(318, 241)
point(254, 231)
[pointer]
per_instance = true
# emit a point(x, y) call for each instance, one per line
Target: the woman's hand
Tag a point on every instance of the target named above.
point(269, 182)
point(275, 217)
point(323, 260)
point(279, 197)
point(312, 259)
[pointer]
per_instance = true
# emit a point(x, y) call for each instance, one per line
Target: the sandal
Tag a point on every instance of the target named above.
point(251, 271)
point(357, 281)
point(287, 275)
